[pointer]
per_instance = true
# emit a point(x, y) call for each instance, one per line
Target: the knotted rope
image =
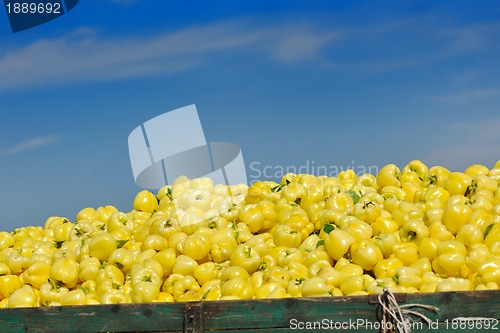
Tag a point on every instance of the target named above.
point(399, 316)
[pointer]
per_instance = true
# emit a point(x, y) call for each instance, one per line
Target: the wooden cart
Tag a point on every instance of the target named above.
point(342, 314)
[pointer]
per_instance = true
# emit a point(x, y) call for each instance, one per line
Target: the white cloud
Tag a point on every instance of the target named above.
point(481, 131)
point(123, 2)
point(459, 158)
point(84, 56)
point(31, 144)
point(416, 41)
point(480, 143)
point(466, 77)
point(302, 44)
point(469, 95)
point(473, 37)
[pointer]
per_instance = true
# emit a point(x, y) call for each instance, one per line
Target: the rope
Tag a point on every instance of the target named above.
point(399, 316)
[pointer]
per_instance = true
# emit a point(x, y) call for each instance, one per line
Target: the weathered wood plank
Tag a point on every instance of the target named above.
point(95, 318)
point(281, 315)
point(461, 304)
point(278, 313)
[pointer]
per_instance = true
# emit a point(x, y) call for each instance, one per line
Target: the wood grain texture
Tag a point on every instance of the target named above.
point(245, 316)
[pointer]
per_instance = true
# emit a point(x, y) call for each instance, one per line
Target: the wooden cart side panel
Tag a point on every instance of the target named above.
point(279, 315)
point(285, 312)
point(461, 304)
point(94, 318)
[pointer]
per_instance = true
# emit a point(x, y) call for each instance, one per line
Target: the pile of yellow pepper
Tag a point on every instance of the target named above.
point(415, 229)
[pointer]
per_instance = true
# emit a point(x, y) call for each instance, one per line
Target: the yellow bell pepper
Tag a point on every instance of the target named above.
point(102, 245)
point(237, 287)
point(284, 235)
point(386, 243)
point(316, 287)
point(145, 201)
point(458, 183)
point(8, 284)
point(245, 256)
point(144, 291)
point(37, 274)
point(388, 176)
point(24, 297)
point(387, 268)
point(289, 255)
point(337, 242)
point(492, 234)
point(65, 271)
point(414, 230)
point(74, 297)
point(365, 254)
point(270, 290)
point(207, 271)
point(196, 246)
point(456, 216)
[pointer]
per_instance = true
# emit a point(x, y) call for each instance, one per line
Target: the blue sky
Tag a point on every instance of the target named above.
point(340, 83)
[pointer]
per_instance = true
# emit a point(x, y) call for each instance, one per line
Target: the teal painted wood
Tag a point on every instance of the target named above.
point(281, 315)
point(94, 318)
point(342, 310)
